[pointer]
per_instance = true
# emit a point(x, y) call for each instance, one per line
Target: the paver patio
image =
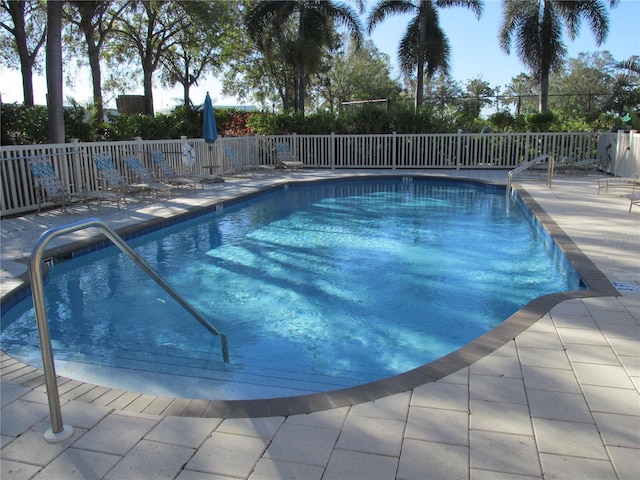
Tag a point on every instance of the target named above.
point(560, 400)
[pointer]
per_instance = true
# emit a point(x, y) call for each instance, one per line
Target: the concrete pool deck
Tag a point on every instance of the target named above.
point(560, 400)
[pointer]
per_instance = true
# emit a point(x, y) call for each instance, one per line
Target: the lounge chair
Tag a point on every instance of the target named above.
point(146, 178)
point(634, 198)
point(284, 158)
point(239, 167)
point(112, 180)
point(169, 175)
point(52, 189)
point(572, 166)
point(619, 182)
point(587, 165)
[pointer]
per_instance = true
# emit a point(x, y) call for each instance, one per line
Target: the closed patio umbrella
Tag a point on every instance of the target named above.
point(209, 130)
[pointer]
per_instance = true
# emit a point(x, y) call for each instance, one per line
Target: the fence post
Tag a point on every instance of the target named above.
point(139, 148)
point(332, 151)
point(633, 156)
point(79, 185)
point(619, 153)
point(394, 150)
point(458, 149)
point(294, 145)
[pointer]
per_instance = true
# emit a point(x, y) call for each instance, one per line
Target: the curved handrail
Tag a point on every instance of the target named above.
point(530, 163)
point(59, 431)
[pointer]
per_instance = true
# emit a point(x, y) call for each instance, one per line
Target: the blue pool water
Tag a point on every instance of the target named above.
point(317, 287)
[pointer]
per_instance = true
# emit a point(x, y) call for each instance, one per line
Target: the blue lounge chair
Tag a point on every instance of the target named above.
point(52, 189)
point(145, 177)
point(169, 175)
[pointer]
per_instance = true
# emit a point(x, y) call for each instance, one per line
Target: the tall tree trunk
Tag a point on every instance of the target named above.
point(96, 77)
point(54, 71)
point(420, 83)
point(422, 40)
point(148, 90)
point(543, 106)
point(26, 68)
point(301, 90)
point(186, 85)
point(17, 10)
point(186, 98)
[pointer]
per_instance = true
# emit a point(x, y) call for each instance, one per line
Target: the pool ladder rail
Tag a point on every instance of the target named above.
point(528, 165)
point(58, 431)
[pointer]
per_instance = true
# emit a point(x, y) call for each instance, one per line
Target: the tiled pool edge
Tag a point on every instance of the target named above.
point(133, 402)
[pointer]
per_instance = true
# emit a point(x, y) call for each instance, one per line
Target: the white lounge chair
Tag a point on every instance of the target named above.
point(634, 199)
point(237, 167)
point(619, 182)
point(284, 158)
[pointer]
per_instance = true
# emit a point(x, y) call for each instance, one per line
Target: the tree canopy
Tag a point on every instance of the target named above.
point(536, 27)
point(295, 55)
point(424, 44)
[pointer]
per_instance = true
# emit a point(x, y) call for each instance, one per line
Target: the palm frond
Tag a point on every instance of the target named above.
point(387, 8)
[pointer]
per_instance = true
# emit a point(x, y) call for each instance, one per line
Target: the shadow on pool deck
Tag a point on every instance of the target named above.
point(559, 397)
point(597, 282)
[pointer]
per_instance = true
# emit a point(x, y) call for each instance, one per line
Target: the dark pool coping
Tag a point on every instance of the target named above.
point(598, 284)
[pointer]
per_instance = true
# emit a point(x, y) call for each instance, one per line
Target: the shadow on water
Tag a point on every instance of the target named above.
point(310, 271)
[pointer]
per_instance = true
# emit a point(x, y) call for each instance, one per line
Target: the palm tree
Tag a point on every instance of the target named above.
point(480, 92)
point(535, 26)
point(314, 31)
point(424, 42)
point(519, 91)
point(633, 64)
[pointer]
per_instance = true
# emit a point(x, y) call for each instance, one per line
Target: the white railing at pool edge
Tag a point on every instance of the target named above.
point(59, 431)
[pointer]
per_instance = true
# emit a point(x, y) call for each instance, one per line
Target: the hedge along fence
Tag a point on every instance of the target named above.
point(617, 153)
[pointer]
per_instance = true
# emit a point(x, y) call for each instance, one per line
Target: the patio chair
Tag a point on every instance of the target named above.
point(284, 158)
point(52, 189)
point(634, 199)
point(112, 180)
point(237, 167)
point(169, 175)
point(619, 182)
point(247, 168)
point(145, 177)
point(572, 166)
point(585, 166)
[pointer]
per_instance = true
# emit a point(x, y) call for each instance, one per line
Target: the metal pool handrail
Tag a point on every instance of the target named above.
point(527, 165)
point(58, 431)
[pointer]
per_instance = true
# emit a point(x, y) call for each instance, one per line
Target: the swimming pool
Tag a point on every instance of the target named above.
point(355, 279)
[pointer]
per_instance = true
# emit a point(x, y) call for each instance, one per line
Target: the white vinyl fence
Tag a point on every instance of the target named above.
point(616, 153)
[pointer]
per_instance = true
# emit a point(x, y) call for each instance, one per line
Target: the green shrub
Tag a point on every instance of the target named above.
point(277, 123)
point(77, 124)
point(23, 125)
point(539, 122)
point(502, 121)
point(28, 125)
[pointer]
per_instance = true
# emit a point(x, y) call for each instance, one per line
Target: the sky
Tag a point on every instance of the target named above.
point(475, 53)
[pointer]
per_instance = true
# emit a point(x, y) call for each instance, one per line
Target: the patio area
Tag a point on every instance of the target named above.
point(560, 400)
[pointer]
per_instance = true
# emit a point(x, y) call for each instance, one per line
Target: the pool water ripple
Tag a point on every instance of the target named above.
point(317, 288)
